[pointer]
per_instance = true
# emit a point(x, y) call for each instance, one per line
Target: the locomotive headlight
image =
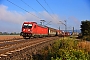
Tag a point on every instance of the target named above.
point(28, 29)
point(23, 29)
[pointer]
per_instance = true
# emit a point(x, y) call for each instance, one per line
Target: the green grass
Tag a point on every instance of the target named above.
point(64, 49)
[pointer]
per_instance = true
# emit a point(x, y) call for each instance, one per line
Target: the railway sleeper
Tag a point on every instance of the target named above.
point(27, 53)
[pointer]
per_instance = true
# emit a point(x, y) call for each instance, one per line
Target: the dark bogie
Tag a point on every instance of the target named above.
point(25, 35)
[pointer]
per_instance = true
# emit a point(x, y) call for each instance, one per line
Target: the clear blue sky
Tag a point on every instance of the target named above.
point(73, 11)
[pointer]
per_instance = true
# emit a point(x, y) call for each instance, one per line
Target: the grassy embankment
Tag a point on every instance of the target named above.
point(64, 49)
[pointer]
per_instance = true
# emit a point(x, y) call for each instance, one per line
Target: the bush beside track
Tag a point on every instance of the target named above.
point(59, 49)
point(65, 49)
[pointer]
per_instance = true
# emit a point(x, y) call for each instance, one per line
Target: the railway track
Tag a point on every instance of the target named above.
point(10, 46)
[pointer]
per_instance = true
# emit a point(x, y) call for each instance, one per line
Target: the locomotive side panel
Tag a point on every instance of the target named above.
point(40, 31)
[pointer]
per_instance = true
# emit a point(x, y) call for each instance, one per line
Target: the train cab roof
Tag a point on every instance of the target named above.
point(29, 23)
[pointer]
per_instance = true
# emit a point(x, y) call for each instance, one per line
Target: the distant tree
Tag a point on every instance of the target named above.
point(18, 33)
point(0, 33)
point(5, 33)
point(85, 28)
point(11, 33)
point(14, 33)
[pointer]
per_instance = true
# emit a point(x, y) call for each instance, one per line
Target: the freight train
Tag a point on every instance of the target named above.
point(32, 29)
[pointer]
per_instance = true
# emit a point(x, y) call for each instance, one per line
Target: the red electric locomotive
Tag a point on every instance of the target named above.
point(32, 29)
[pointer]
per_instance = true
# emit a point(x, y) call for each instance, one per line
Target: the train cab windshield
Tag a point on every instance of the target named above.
point(27, 26)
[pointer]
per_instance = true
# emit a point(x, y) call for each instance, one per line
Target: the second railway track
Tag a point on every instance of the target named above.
point(12, 46)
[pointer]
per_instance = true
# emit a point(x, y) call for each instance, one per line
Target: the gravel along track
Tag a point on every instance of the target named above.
point(9, 47)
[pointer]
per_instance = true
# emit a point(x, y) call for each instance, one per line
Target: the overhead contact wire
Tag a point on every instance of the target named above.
point(30, 7)
point(48, 6)
point(44, 8)
point(23, 9)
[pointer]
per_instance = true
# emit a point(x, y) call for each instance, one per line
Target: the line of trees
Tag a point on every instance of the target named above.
point(85, 29)
point(6, 33)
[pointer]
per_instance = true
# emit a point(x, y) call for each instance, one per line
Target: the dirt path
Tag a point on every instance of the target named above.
point(7, 37)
